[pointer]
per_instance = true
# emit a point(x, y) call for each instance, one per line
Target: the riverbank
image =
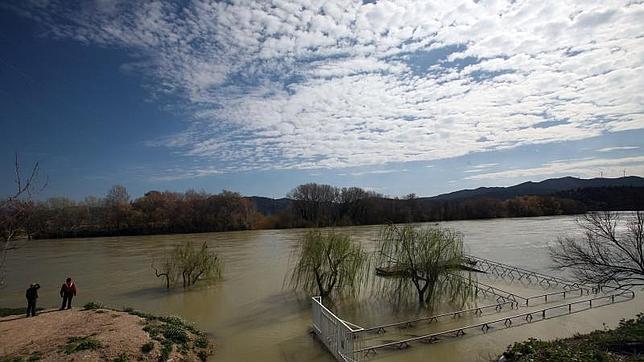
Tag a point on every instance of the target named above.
point(99, 333)
point(624, 343)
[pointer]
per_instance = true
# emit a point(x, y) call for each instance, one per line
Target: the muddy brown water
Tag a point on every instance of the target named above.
point(250, 313)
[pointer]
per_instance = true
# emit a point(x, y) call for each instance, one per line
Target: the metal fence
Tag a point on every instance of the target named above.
point(338, 336)
point(506, 322)
point(515, 272)
point(346, 340)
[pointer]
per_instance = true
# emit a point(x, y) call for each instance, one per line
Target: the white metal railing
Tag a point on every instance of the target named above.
point(338, 336)
point(346, 343)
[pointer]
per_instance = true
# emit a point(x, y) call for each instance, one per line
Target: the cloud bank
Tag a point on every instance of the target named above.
point(328, 84)
point(587, 168)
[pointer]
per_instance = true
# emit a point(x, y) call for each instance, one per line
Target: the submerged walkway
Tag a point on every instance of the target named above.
point(349, 342)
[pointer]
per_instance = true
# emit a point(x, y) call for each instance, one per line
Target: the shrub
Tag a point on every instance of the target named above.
point(122, 358)
point(76, 344)
point(92, 306)
point(203, 355)
point(148, 347)
point(166, 349)
point(175, 334)
point(201, 342)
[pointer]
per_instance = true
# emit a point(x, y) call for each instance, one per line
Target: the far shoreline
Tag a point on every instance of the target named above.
point(24, 239)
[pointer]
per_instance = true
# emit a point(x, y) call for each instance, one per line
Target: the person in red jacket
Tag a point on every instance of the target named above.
point(67, 292)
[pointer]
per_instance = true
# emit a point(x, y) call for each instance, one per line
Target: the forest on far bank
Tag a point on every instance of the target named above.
point(308, 205)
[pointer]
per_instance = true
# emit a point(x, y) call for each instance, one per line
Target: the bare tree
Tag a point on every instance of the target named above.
point(610, 251)
point(315, 202)
point(14, 210)
point(166, 268)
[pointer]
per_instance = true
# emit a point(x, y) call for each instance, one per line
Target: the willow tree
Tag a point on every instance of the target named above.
point(188, 263)
point(327, 262)
point(422, 260)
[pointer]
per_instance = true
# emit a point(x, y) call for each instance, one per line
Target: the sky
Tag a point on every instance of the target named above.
point(398, 97)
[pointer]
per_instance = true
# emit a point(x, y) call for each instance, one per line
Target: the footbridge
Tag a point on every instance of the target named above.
point(349, 342)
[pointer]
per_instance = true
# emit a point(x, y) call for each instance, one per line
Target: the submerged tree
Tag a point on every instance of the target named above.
point(608, 253)
point(188, 263)
point(166, 268)
point(327, 262)
point(422, 260)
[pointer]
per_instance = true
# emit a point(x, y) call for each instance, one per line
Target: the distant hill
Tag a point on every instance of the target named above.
point(623, 193)
point(268, 206)
point(546, 187)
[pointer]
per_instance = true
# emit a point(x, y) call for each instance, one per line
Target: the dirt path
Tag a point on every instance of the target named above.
point(93, 335)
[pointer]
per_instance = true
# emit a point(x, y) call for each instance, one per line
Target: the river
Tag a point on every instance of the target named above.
point(250, 314)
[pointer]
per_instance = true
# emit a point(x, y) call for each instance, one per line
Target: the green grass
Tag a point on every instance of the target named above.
point(148, 347)
point(202, 342)
point(122, 358)
point(92, 306)
point(171, 332)
point(625, 343)
point(166, 349)
point(76, 344)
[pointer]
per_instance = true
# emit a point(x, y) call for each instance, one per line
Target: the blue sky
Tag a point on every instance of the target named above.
point(258, 97)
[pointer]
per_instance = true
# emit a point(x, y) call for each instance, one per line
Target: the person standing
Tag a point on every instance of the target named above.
point(67, 292)
point(32, 297)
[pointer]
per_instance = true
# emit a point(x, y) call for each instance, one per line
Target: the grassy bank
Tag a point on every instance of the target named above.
point(100, 333)
point(624, 343)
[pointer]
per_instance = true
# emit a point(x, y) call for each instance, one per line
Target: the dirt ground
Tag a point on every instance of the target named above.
point(46, 336)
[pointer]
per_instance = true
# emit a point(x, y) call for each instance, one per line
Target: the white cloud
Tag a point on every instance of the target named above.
point(619, 148)
point(480, 168)
point(372, 172)
point(301, 85)
point(184, 173)
point(609, 167)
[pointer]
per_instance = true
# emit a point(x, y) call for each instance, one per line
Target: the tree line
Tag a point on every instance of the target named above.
point(116, 214)
point(308, 205)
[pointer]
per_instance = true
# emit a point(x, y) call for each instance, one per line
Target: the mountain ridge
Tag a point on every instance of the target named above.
point(551, 186)
point(545, 187)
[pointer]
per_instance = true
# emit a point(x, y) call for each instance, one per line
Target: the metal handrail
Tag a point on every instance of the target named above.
point(558, 280)
point(353, 332)
point(564, 293)
point(508, 296)
point(352, 327)
point(477, 311)
point(485, 326)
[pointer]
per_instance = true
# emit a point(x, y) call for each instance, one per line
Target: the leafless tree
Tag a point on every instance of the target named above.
point(611, 250)
point(14, 210)
point(314, 202)
point(166, 268)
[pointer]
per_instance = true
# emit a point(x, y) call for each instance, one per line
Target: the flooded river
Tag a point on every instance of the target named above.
point(251, 315)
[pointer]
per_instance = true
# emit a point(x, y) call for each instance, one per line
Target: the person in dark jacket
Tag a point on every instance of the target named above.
point(67, 292)
point(32, 297)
